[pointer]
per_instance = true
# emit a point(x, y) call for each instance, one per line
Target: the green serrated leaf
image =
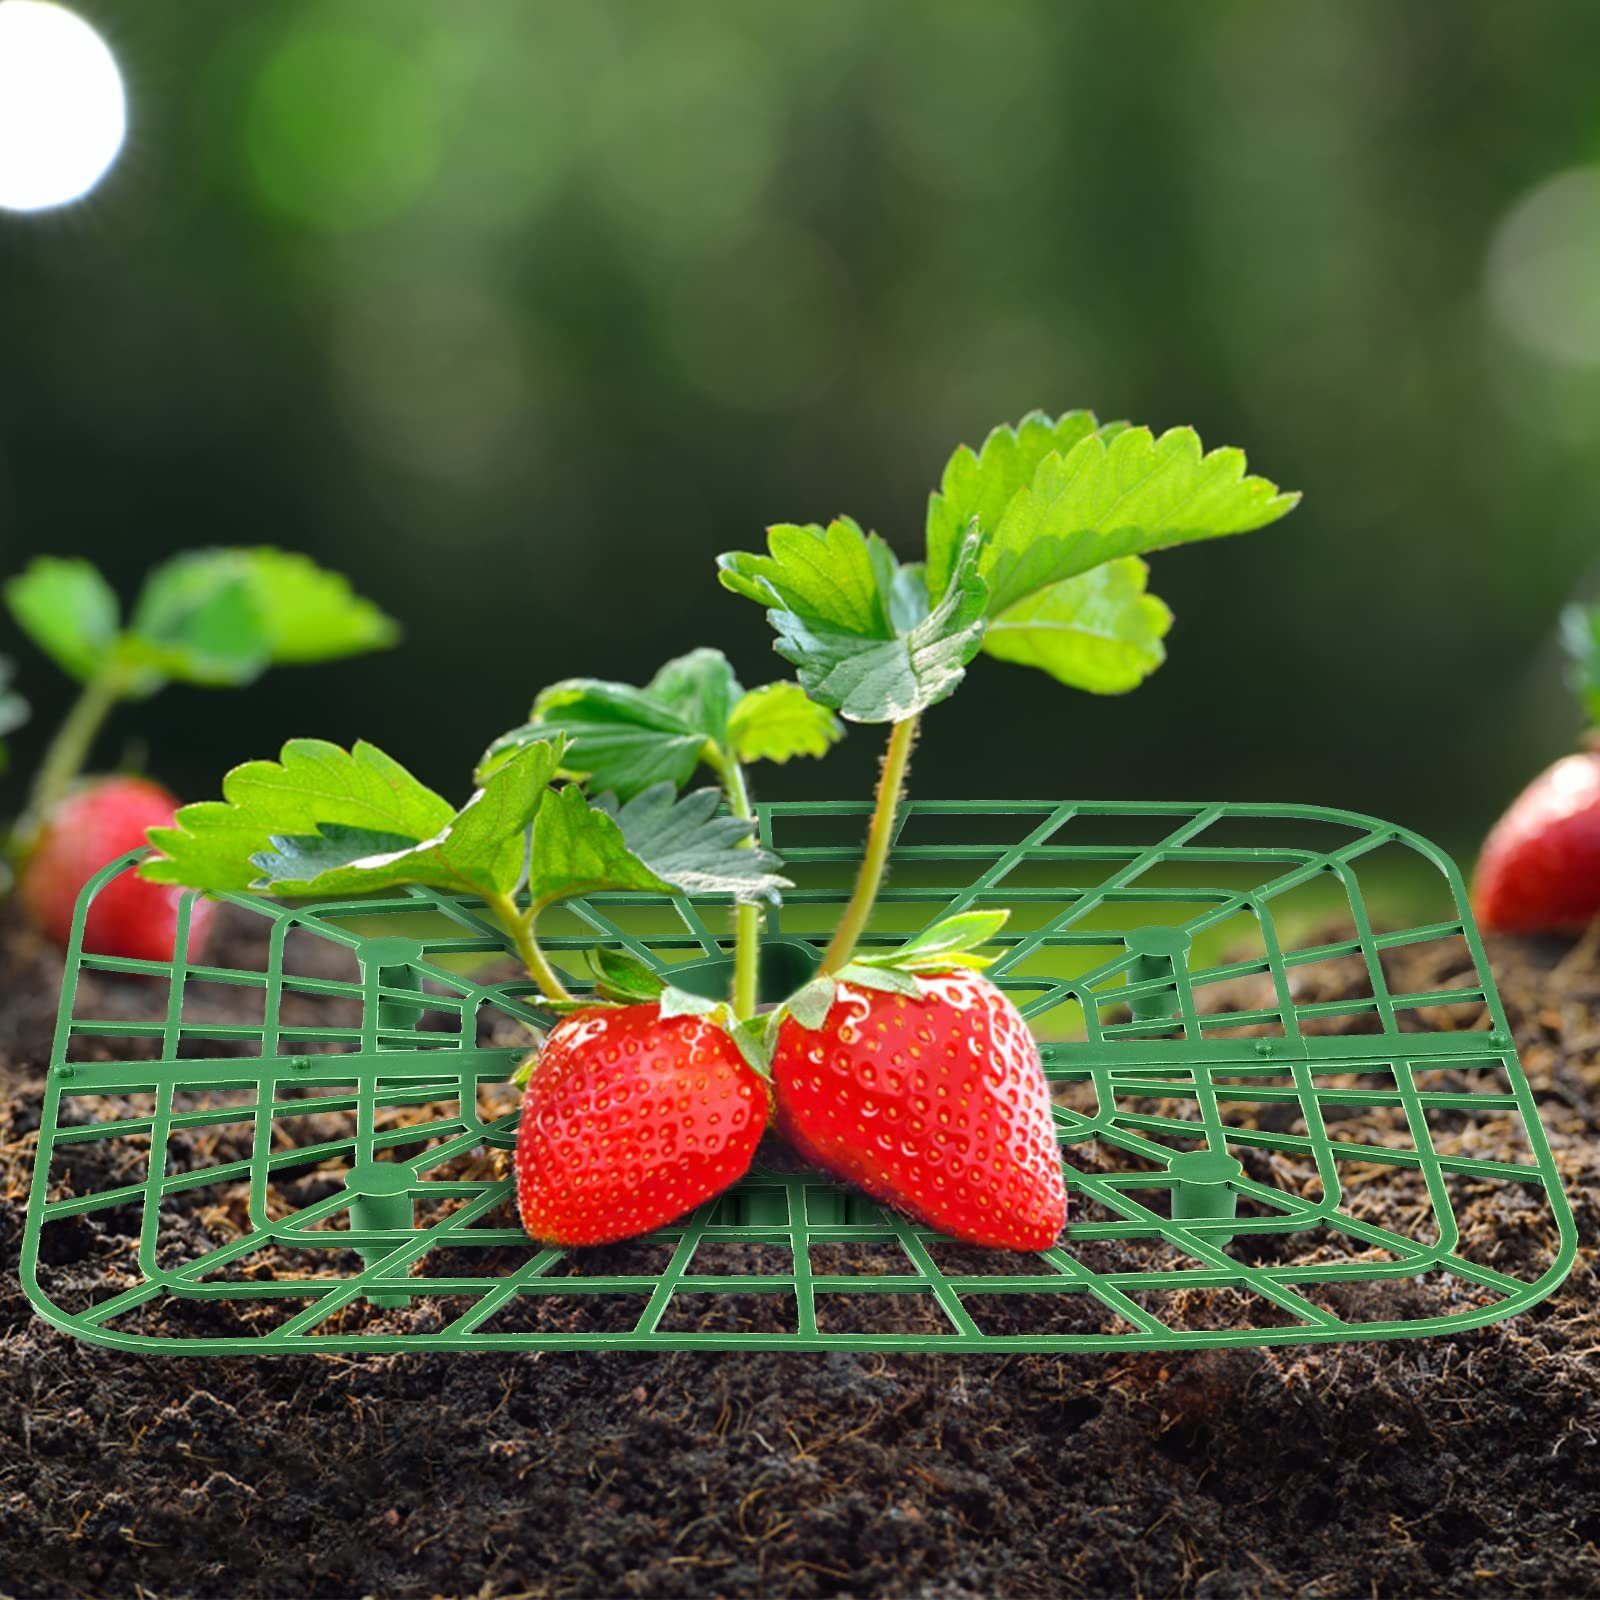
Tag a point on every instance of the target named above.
point(308, 613)
point(68, 610)
point(1129, 496)
point(695, 847)
point(222, 617)
point(623, 977)
point(856, 624)
point(978, 487)
point(779, 721)
point(810, 1006)
point(196, 621)
point(887, 979)
point(480, 850)
point(579, 848)
point(335, 857)
point(700, 689)
point(314, 784)
point(622, 739)
point(1580, 632)
point(1099, 631)
point(952, 941)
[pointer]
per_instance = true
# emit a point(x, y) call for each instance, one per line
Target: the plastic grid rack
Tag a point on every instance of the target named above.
point(339, 1159)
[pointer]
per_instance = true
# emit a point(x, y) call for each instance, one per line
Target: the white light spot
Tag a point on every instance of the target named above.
point(1543, 278)
point(63, 114)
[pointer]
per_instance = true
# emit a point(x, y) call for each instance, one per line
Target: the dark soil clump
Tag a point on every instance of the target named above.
point(1454, 1466)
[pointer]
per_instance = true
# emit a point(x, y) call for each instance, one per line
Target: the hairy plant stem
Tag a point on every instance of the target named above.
point(519, 926)
point(68, 751)
point(891, 781)
point(747, 918)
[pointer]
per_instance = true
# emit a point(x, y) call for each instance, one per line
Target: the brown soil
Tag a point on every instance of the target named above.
point(1459, 1466)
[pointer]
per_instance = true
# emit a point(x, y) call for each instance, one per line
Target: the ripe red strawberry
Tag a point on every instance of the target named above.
point(1540, 867)
point(129, 917)
point(936, 1105)
point(631, 1119)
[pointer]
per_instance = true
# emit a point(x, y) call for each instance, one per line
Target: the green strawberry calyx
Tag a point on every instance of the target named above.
point(622, 979)
point(945, 945)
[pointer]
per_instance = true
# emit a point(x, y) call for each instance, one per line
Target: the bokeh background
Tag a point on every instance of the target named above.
point(519, 312)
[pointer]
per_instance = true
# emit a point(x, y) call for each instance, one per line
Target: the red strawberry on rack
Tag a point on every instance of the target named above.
point(630, 1119)
point(933, 1100)
point(129, 917)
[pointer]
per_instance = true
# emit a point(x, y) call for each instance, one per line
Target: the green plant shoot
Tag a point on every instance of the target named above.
point(622, 740)
point(1034, 554)
point(217, 618)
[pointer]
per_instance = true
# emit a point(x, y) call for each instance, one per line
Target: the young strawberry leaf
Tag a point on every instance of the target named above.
point(700, 690)
point(579, 848)
point(1098, 631)
point(624, 978)
point(1580, 631)
point(622, 739)
point(211, 617)
point(480, 850)
point(950, 942)
point(69, 611)
point(194, 622)
point(1130, 496)
point(778, 721)
point(686, 842)
point(221, 617)
point(306, 613)
point(978, 487)
point(313, 785)
point(857, 624)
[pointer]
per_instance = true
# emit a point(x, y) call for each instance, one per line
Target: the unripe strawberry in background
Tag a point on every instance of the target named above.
point(95, 824)
point(1540, 867)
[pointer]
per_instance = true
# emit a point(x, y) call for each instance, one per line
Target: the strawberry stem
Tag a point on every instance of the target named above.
point(519, 927)
point(747, 918)
point(880, 834)
point(68, 751)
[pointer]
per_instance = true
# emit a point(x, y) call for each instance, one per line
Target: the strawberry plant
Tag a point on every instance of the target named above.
point(1034, 555)
point(907, 1073)
point(214, 618)
point(1540, 867)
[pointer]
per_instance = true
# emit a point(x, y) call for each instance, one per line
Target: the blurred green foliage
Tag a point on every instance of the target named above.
point(519, 312)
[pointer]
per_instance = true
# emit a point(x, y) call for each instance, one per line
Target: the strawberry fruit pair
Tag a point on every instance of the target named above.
point(922, 1087)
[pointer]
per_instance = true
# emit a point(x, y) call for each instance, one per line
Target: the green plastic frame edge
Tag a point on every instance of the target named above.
point(1151, 981)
